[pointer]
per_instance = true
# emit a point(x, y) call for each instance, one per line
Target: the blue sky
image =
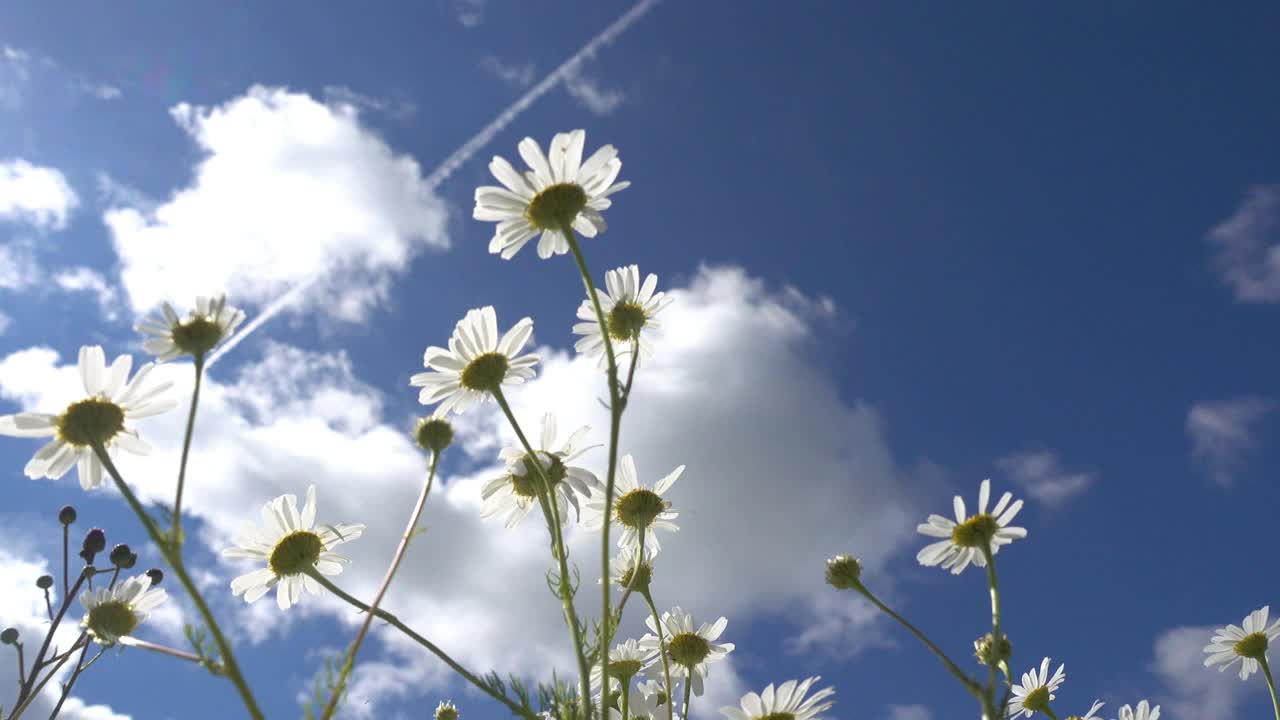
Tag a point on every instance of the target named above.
point(912, 246)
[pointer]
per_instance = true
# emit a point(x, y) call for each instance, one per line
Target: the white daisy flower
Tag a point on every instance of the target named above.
point(1092, 714)
point(635, 507)
point(1245, 645)
point(211, 322)
point(1143, 711)
point(476, 363)
point(965, 536)
point(689, 651)
point(560, 190)
point(623, 566)
point(788, 701)
point(629, 308)
point(110, 402)
point(1036, 690)
point(648, 696)
point(289, 543)
point(625, 661)
point(114, 613)
point(446, 710)
point(515, 493)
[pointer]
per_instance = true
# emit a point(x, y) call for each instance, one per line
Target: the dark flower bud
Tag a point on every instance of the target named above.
point(67, 515)
point(156, 576)
point(9, 636)
point(95, 541)
point(44, 582)
point(122, 557)
point(434, 434)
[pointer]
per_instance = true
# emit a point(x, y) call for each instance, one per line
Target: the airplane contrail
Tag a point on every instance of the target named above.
point(467, 150)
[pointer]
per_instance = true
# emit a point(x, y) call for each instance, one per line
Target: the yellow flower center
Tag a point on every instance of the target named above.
point(624, 669)
point(197, 336)
point(778, 716)
point(486, 372)
point(527, 485)
point(446, 712)
point(626, 319)
point(1037, 700)
point(89, 421)
point(688, 649)
point(638, 508)
point(112, 619)
point(556, 206)
point(643, 576)
point(1253, 645)
point(295, 552)
point(977, 531)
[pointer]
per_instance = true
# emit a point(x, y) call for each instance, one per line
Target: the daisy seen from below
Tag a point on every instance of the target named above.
point(636, 507)
point(1246, 645)
point(559, 192)
point(787, 701)
point(446, 710)
point(690, 651)
point(629, 307)
point(1036, 690)
point(100, 417)
point(211, 322)
point(626, 660)
point(112, 614)
point(966, 536)
point(1091, 715)
point(477, 363)
point(290, 544)
point(623, 568)
point(1143, 711)
point(516, 492)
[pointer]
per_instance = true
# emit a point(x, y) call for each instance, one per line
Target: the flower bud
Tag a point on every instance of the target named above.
point(44, 582)
point(434, 434)
point(123, 557)
point(156, 576)
point(95, 541)
point(989, 653)
point(9, 636)
point(844, 572)
point(67, 515)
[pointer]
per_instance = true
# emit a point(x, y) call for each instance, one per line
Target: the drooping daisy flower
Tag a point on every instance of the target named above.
point(1036, 690)
point(515, 493)
point(476, 363)
point(625, 661)
point(1143, 711)
point(636, 507)
point(112, 614)
point(561, 190)
point(629, 308)
point(446, 710)
point(211, 322)
point(100, 417)
point(1245, 645)
point(622, 567)
point(965, 536)
point(788, 701)
point(289, 543)
point(1092, 714)
point(689, 651)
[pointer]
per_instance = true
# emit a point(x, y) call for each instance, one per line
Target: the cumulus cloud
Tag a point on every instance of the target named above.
point(36, 195)
point(290, 191)
point(1041, 474)
point(1224, 433)
point(781, 473)
point(517, 74)
point(1247, 247)
point(1191, 689)
point(586, 89)
point(19, 268)
point(91, 282)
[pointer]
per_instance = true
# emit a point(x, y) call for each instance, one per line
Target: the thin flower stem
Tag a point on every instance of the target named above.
point(24, 703)
point(71, 681)
point(39, 661)
point(626, 697)
point(66, 578)
point(688, 685)
point(186, 450)
point(969, 683)
point(993, 583)
point(635, 572)
point(1271, 685)
point(432, 647)
point(414, 516)
point(1049, 711)
point(551, 510)
point(162, 649)
point(631, 371)
point(22, 666)
point(173, 554)
point(662, 651)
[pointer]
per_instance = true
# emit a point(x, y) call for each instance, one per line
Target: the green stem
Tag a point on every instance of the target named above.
point(25, 703)
point(430, 646)
point(186, 450)
point(626, 697)
point(172, 554)
point(993, 583)
point(688, 685)
point(414, 516)
point(952, 668)
point(1049, 711)
point(1271, 685)
point(662, 651)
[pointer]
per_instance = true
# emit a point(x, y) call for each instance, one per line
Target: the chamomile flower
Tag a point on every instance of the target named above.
point(1036, 690)
point(476, 364)
point(1092, 714)
point(1245, 645)
point(211, 322)
point(966, 536)
point(290, 543)
point(629, 309)
point(1143, 711)
point(559, 192)
point(515, 493)
point(100, 417)
point(636, 507)
point(446, 710)
point(689, 651)
point(112, 614)
point(788, 701)
point(623, 567)
point(625, 661)
point(644, 705)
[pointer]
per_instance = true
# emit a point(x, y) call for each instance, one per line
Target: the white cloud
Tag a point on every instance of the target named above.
point(1223, 434)
point(114, 194)
point(18, 266)
point(781, 474)
point(290, 190)
point(470, 13)
point(518, 74)
point(1248, 246)
point(5, 322)
point(34, 194)
point(1043, 477)
point(15, 76)
point(1191, 689)
point(589, 93)
point(909, 712)
point(90, 281)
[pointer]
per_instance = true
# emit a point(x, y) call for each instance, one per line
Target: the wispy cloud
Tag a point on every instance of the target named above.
point(1247, 247)
point(470, 13)
point(397, 108)
point(589, 93)
point(518, 74)
point(909, 712)
point(91, 282)
point(1223, 434)
point(36, 195)
point(19, 268)
point(1041, 474)
point(1192, 690)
